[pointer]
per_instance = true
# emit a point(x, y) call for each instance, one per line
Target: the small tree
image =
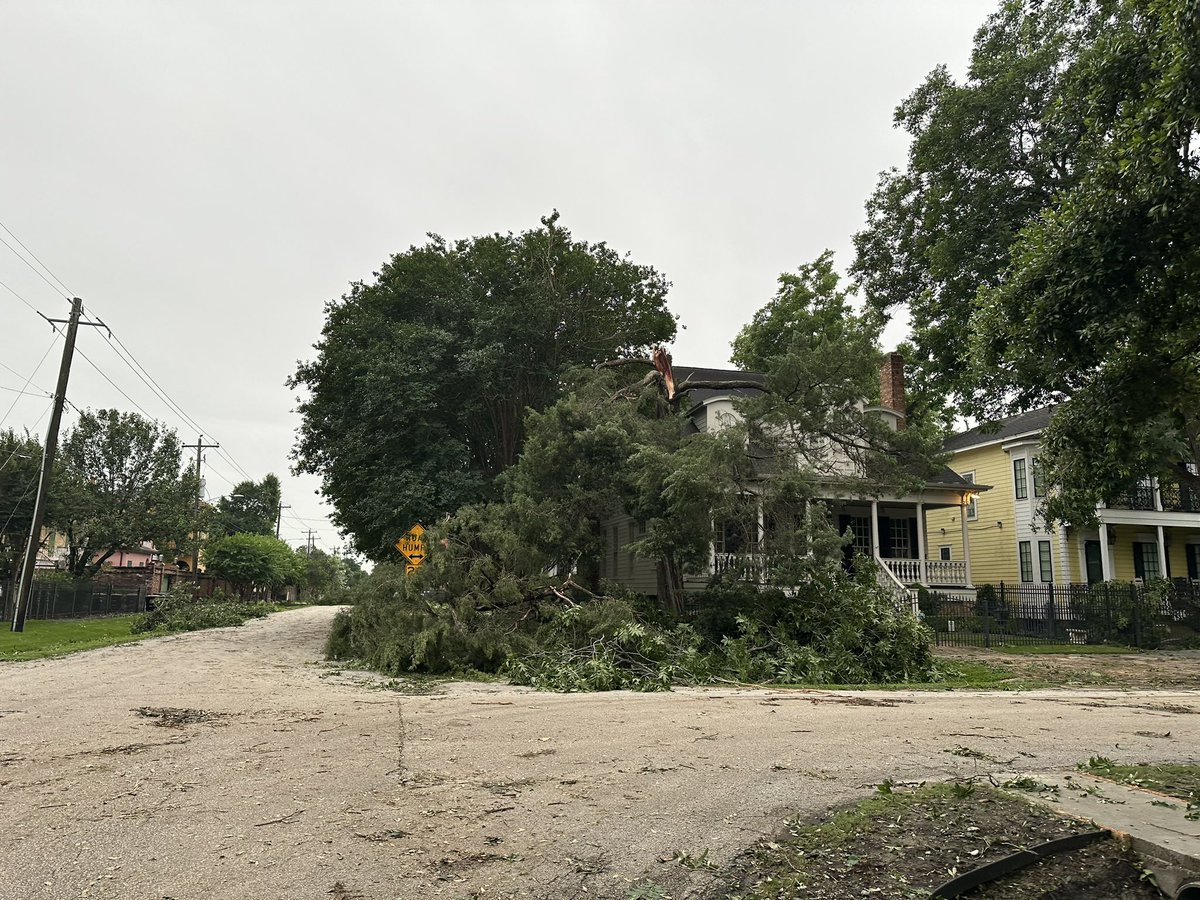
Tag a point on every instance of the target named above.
point(253, 561)
point(123, 482)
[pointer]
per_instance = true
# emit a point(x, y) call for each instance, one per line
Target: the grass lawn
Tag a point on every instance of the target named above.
point(55, 637)
point(1180, 781)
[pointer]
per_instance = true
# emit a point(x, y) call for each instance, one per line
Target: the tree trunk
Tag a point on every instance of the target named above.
point(670, 585)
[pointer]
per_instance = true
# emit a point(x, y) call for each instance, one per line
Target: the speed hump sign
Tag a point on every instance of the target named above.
point(413, 547)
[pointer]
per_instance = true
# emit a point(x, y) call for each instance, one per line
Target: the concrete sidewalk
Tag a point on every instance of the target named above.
point(1155, 825)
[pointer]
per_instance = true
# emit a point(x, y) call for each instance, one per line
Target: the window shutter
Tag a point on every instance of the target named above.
point(913, 543)
point(1139, 562)
point(885, 537)
point(1192, 561)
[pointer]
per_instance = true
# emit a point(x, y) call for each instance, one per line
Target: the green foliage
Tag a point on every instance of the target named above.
point(832, 629)
point(20, 467)
point(253, 560)
point(821, 361)
point(122, 483)
point(417, 397)
point(1045, 237)
point(182, 610)
point(250, 508)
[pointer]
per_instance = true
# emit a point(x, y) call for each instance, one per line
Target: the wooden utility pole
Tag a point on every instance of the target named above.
point(199, 447)
point(279, 518)
point(309, 548)
point(25, 586)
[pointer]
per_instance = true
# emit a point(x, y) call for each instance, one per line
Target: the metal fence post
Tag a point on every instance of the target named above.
point(1137, 619)
point(987, 620)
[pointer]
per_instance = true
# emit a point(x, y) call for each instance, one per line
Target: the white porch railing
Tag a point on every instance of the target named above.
point(752, 564)
point(904, 598)
point(931, 572)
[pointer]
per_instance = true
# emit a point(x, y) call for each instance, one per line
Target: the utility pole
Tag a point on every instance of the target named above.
point(279, 518)
point(25, 587)
point(310, 543)
point(199, 447)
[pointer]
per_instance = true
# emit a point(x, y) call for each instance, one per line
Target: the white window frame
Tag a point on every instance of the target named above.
point(973, 506)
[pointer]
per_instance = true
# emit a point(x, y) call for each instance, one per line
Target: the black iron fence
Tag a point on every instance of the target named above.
point(53, 599)
point(1147, 616)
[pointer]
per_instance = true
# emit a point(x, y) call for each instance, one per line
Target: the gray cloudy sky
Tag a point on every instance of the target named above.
point(207, 174)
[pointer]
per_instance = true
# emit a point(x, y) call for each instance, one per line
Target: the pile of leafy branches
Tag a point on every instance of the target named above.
point(552, 634)
point(182, 610)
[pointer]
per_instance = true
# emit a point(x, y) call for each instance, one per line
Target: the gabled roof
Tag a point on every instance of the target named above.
point(700, 395)
point(991, 432)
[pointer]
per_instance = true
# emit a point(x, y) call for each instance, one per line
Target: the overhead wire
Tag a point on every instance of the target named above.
point(123, 353)
point(33, 268)
point(28, 380)
point(35, 256)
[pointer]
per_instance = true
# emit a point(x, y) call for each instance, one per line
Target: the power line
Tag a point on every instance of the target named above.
point(22, 299)
point(32, 267)
point(12, 455)
point(35, 256)
point(29, 380)
point(124, 354)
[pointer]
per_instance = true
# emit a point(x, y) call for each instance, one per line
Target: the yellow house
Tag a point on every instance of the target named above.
point(1153, 533)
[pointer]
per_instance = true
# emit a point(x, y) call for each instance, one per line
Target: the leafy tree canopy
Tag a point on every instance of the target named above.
point(253, 560)
point(20, 470)
point(1046, 235)
point(250, 508)
point(416, 399)
point(123, 483)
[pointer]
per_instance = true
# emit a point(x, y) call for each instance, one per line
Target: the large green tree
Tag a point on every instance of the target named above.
point(252, 507)
point(123, 482)
point(1046, 236)
point(416, 399)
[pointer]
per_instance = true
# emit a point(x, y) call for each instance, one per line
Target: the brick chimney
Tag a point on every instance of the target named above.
point(891, 386)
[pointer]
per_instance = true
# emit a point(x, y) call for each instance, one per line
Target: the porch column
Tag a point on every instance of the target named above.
point(875, 529)
point(1065, 559)
point(921, 541)
point(1106, 567)
point(962, 517)
point(1162, 553)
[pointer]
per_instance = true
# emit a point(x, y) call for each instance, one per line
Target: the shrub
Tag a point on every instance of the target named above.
point(182, 610)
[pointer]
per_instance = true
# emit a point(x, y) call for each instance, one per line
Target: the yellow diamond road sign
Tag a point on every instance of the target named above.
point(412, 545)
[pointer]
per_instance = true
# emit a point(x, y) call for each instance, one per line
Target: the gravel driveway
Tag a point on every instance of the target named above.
point(235, 764)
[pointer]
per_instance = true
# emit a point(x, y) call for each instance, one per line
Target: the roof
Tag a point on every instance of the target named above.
point(700, 395)
point(990, 432)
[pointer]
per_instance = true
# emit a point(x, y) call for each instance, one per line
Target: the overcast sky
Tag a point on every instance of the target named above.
point(205, 175)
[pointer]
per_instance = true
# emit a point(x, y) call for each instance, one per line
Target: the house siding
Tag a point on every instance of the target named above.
point(993, 550)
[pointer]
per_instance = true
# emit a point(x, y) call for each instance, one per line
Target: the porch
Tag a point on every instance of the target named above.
point(891, 531)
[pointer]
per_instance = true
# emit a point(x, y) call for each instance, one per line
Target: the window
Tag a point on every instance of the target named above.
point(860, 526)
point(1039, 485)
point(731, 537)
point(1026, 555)
point(973, 506)
point(1145, 560)
point(1020, 480)
point(901, 536)
point(944, 553)
point(1045, 562)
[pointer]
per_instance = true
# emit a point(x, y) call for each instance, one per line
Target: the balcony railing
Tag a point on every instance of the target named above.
point(1141, 497)
point(1178, 498)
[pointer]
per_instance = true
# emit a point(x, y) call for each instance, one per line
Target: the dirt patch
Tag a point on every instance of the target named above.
point(908, 843)
point(289, 782)
point(174, 717)
point(1161, 669)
